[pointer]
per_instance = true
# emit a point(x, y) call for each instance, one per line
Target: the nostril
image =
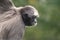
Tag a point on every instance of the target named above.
point(34, 17)
point(35, 22)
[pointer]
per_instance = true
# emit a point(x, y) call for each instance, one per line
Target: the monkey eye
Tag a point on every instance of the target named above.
point(26, 14)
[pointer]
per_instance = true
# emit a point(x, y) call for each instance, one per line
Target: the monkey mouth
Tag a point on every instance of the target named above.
point(34, 22)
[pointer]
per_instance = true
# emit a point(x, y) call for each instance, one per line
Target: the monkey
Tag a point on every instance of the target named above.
point(13, 20)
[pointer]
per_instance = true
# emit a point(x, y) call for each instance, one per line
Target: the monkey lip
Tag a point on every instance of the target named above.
point(34, 22)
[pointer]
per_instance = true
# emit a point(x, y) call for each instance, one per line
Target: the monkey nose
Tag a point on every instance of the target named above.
point(34, 17)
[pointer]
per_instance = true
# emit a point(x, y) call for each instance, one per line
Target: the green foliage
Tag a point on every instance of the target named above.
point(48, 27)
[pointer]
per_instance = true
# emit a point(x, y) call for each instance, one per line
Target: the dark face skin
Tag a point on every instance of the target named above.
point(28, 19)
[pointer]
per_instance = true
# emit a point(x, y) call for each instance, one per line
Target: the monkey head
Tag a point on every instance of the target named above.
point(29, 15)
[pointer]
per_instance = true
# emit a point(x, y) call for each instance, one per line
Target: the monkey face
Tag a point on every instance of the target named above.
point(29, 15)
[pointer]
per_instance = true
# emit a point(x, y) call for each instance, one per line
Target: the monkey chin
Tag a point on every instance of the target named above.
point(35, 24)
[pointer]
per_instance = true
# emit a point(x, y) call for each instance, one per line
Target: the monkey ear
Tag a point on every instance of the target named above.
point(19, 9)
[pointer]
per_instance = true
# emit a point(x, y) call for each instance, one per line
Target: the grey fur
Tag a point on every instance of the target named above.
point(11, 24)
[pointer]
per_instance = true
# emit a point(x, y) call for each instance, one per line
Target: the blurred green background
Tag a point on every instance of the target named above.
point(48, 27)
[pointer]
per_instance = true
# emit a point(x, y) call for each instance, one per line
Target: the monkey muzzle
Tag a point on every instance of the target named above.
point(33, 20)
point(29, 21)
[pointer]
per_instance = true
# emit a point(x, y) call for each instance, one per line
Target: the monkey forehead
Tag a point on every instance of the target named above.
point(34, 9)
